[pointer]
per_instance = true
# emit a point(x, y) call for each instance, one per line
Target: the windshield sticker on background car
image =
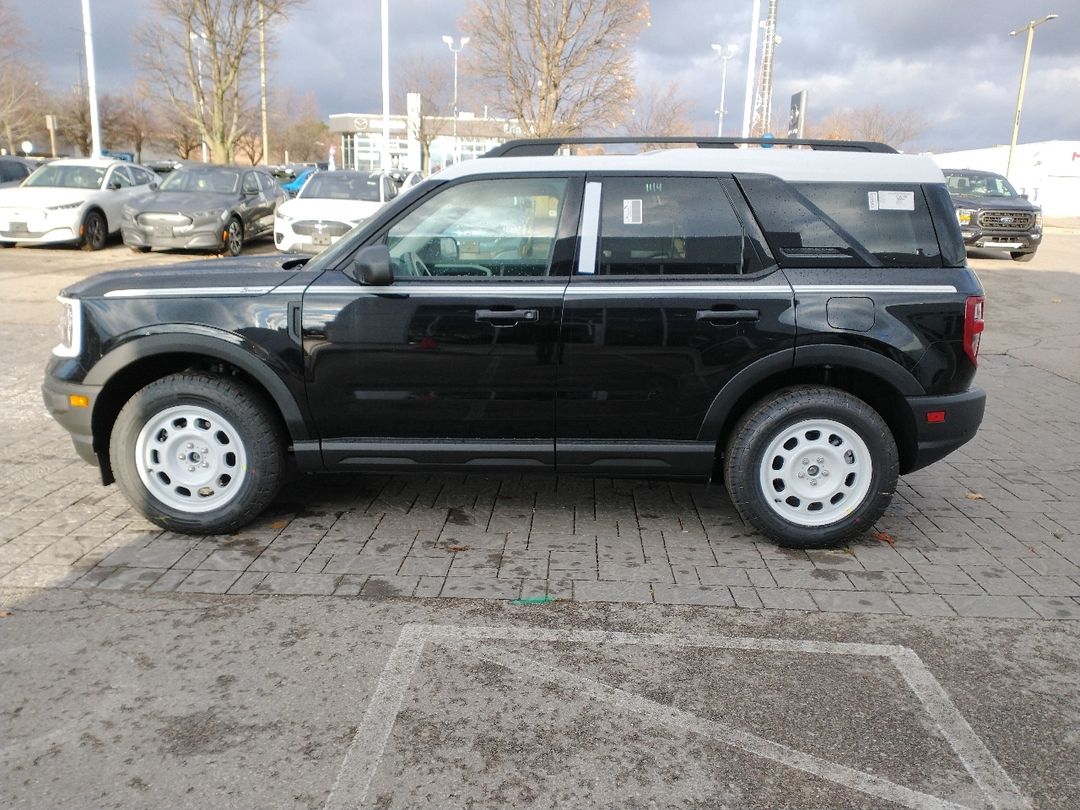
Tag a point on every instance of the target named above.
point(891, 200)
point(631, 212)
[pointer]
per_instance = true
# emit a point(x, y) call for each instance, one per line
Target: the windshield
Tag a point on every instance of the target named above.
point(980, 185)
point(338, 186)
point(216, 181)
point(59, 176)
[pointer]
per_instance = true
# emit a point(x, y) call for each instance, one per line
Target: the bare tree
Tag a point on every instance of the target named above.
point(659, 110)
point(202, 54)
point(18, 89)
point(874, 123)
point(557, 66)
point(433, 82)
point(133, 120)
point(299, 129)
point(73, 118)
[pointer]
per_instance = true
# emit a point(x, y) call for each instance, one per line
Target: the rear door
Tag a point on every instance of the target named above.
point(671, 296)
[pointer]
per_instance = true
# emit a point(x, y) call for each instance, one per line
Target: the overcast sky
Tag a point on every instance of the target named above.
point(953, 61)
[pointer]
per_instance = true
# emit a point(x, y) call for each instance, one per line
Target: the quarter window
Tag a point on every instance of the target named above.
point(668, 226)
point(485, 228)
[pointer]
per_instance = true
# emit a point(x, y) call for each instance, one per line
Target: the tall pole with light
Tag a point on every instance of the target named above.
point(91, 82)
point(1030, 28)
point(462, 42)
point(723, 84)
point(385, 158)
point(195, 40)
point(751, 64)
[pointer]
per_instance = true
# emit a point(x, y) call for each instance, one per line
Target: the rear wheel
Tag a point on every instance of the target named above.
point(94, 231)
point(811, 466)
point(1022, 257)
point(197, 453)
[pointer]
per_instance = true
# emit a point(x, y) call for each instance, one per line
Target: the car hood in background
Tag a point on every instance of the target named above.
point(338, 210)
point(43, 196)
point(185, 202)
point(983, 201)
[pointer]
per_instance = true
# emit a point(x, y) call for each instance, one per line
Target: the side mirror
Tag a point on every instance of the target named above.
point(114, 184)
point(1024, 196)
point(371, 267)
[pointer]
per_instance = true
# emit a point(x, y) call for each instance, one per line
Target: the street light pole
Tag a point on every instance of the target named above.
point(751, 63)
point(91, 83)
point(462, 42)
point(384, 159)
point(195, 38)
point(723, 85)
point(1030, 28)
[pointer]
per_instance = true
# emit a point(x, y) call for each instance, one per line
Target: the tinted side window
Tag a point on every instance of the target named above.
point(845, 224)
point(265, 182)
point(10, 170)
point(120, 177)
point(665, 226)
point(484, 228)
point(250, 183)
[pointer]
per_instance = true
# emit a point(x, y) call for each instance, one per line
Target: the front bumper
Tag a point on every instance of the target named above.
point(75, 420)
point(984, 239)
point(935, 440)
point(196, 237)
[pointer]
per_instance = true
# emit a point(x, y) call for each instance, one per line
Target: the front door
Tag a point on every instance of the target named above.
point(453, 363)
point(670, 298)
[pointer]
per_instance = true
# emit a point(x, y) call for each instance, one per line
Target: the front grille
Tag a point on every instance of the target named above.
point(153, 220)
point(1006, 220)
point(320, 227)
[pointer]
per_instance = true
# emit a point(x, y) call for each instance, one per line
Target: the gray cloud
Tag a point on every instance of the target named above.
point(953, 62)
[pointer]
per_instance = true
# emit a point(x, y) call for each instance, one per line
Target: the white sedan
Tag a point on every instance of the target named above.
point(328, 206)
point(71, 200)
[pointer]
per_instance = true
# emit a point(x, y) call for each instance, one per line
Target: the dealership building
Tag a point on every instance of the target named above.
point(361, 138)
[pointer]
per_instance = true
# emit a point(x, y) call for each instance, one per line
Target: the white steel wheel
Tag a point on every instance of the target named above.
point(191, 458)
point(815, 472)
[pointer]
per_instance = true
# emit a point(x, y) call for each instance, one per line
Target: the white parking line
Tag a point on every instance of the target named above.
point(368, 746)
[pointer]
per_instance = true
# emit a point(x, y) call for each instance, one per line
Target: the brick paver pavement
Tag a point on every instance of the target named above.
point(994, 530)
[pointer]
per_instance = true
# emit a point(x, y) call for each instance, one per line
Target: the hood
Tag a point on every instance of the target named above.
point(1001, 203)
point(182, 202)
point(340, 210)
point(260, 273)
point(43, 196)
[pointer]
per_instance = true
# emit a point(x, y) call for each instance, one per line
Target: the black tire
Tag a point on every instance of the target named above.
point(234, 238)
point(851, 497)
point(1022, 257)
point(7, 244)
point(95, 231)
point(140, 248)
point(233, 449)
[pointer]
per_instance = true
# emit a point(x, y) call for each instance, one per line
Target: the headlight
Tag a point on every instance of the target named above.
point(128, 212)
point(284, 217)
point(963, 215)
point(355, 222)
point(70, 326)
point(64, 207)
point(213, 213)
point(1038, 219)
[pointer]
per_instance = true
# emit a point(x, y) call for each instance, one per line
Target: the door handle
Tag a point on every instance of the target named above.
point(728, 314)
point(507, 317)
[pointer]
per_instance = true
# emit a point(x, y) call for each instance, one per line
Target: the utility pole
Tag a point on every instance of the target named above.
point(1030, 28)
point(262, 83)
point(91, 82)
point(748, 100)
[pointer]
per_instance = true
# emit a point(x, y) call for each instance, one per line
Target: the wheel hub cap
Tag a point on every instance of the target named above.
point(191, 458)
point(815, 472)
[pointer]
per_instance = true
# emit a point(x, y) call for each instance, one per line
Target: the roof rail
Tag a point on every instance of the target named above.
point(545, 147)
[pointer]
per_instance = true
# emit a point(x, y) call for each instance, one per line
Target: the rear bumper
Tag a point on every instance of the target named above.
point(935, 440)
point(76, 421)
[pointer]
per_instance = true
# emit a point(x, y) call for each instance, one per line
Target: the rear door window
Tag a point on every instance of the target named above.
point(845, 224)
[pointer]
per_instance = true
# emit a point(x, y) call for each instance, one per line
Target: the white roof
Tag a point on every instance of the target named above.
point(788, 164)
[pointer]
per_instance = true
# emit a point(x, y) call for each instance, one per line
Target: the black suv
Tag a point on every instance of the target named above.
point(798, 321)
point(992, 215)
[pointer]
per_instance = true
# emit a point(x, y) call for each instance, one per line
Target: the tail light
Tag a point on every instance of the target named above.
point(973, 327)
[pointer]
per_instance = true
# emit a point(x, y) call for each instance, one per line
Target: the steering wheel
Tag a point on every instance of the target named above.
point(414, 265)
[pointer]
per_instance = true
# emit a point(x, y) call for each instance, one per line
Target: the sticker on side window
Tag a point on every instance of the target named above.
point(891, 200)
point(631, 212)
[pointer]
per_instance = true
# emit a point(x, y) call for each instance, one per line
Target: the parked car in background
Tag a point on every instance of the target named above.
point(992, 215)
point(328, 206)
point(13, 170)
point(292, 187)
point(71, 200)
point(200, 207)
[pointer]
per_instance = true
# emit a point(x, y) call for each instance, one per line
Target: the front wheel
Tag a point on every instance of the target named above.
point(197, 453)
point(1022, 257)
point(234, 238)
point(95, 231)
point(811, 466)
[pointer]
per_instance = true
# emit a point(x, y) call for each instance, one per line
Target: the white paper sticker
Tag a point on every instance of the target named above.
point(872, 200)
point(896, 200)
point(631, 212)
